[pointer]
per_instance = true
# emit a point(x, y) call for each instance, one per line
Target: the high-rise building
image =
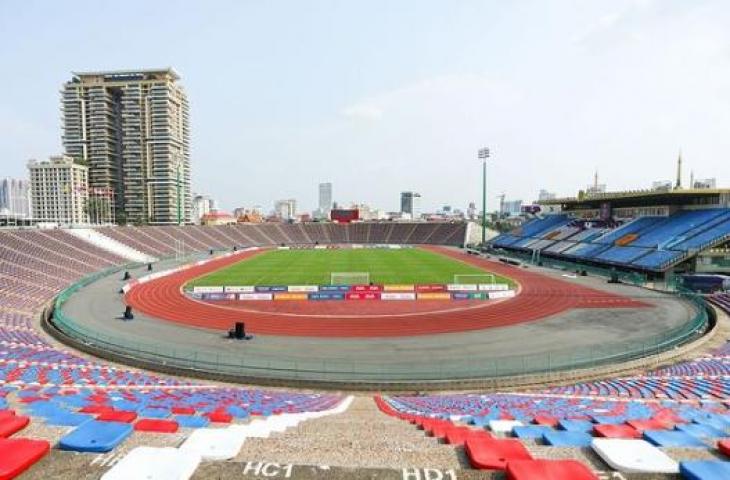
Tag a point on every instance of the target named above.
point(131, 129)
point(60, 192)
point(410, 204)
point(14, 198)
point(545, 195)
point(202, 205)
point(286, 209)
point(325, 200)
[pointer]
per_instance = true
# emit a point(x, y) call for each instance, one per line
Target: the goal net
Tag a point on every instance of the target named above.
point(349, 278)
point(474, 279)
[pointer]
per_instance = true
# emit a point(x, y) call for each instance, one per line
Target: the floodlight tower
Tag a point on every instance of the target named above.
point(483, 155)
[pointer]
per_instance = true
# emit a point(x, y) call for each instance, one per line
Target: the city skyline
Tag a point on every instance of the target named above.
point(616, 87)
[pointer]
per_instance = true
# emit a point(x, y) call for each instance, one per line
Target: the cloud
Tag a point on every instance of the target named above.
point(363, 111)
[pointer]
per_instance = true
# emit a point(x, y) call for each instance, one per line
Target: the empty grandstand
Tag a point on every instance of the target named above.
point(656, 233)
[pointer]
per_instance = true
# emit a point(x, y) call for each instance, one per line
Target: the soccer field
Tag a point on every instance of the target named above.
point(313, 267)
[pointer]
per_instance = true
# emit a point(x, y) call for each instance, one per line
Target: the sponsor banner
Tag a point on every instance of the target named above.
point(255, 296)
point(320, 247)
point(283, 248)
point(303, 288)
point(434, 287)
point(240, 289)
point(434, 296)
point(366, 288)
point(462, 287)
point(505, 294)
point(207, 289)
point(493, 287)
point(469, 295)
point(291, 296)
point(271, 288)
point(219, 296)
point(334, 288)
point(327, 296)
point(362, 296)
point(398, 288)
point(398, 296)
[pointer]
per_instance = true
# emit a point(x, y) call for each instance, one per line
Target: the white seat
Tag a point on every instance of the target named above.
point(152, 463)
point(633, 456)
point(503, 426)
point(213, 443)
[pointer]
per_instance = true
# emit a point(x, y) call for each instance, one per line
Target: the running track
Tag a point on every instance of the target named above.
point(540, 297)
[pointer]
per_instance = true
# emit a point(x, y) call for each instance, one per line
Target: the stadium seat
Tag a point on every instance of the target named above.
point(700, 430)
point(19, 454)
point(724, 447)
point(576, 425)
point(95, 436)
point(154, 464)
point(616, 431)
point(548, 470)
point(493, 454)
point(705, 470)
point(191, 421)
point(117, 416)
point(213, 443)
point(672, 438)
point(504, 426)
point(633, 456)
point(12, 424)
point(531, 431)
point(156, 425)
point(559, 438)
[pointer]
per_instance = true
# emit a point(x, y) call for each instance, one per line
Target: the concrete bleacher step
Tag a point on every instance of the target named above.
point(363, 437)
point(62, 465)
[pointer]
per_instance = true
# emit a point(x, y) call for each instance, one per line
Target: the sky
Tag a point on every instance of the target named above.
point(382, 96)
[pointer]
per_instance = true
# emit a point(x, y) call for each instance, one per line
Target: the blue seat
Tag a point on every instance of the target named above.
point(576, 425)
point(559, 438)
point(531, 431)
point(68, 419)
point(191, 421)
point(95, 436)
point(701, 430)
point(154, 413)
point(672, 438)
point(705, 470)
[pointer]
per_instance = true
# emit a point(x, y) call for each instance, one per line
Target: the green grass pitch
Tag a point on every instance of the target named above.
point(313, 267)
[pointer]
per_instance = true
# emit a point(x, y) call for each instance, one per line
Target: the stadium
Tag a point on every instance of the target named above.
point(554, 347)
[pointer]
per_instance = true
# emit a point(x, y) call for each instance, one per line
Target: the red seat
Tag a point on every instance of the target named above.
point(117, 416)
point(616, 431)
point(545, 420)
point(157, 426)
point(183, 410)
point(439, 429)
point(651, 424)
point(12, 424)
point(218, 416)
point(492, 454)
point(96, 409)
point(548, 470)
point(6, 414)
point(18, 454)
point(458, 435)
point(724, 446)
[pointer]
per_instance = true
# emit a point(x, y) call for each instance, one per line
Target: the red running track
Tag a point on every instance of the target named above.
point(540, 296)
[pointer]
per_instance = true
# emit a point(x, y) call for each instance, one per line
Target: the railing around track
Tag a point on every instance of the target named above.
point(286, 367)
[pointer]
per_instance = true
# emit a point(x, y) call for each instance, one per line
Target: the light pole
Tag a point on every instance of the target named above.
point(483, 156)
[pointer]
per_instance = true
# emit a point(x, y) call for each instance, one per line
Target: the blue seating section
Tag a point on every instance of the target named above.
point(659, 243)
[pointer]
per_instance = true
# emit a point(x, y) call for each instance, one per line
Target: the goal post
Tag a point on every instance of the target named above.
point(349, 278)
point(474, 279)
